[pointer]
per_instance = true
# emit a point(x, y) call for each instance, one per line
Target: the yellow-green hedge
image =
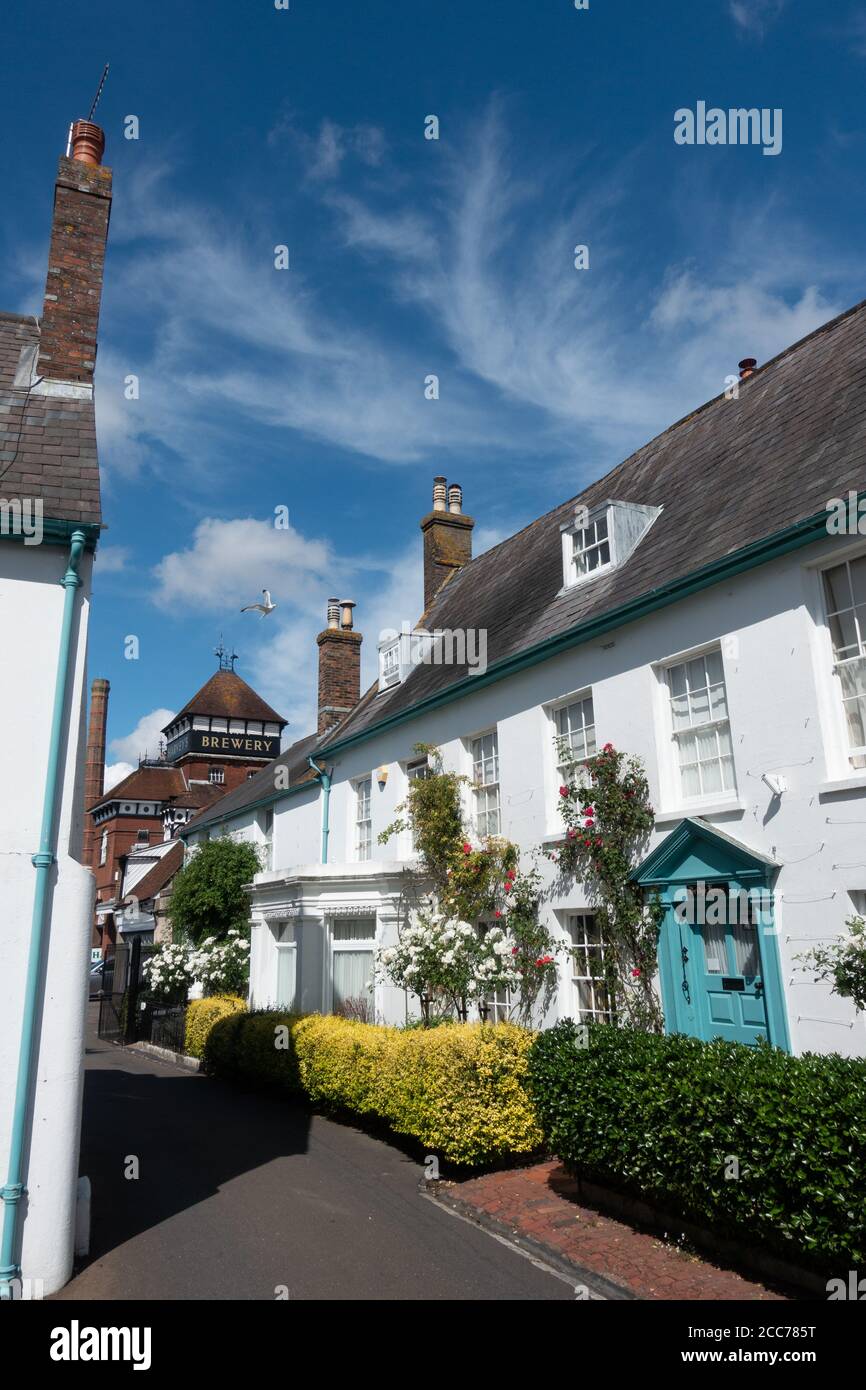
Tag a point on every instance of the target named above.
point(202, 1014)
point(459, 1089)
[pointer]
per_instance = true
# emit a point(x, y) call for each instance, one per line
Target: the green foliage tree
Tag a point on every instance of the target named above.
point(208, 897)
point(844, 962)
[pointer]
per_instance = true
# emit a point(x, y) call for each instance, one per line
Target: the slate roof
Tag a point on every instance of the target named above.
point(259, 787)
point(731, 473)
point(227, 694)
point(47, 443)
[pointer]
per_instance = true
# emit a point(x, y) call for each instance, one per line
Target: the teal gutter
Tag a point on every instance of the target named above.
point(42, 861)
point(748, 557)
point(56, 531)
point(325, 779)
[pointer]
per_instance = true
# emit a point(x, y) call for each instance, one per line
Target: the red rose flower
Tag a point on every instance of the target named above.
point(635, 973)
point(508, 887)
point(563, 791)
point(571, 834)
point(467, 849)
point(498, 913)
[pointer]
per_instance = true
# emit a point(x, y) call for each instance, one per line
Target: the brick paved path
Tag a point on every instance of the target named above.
point(541, 1203)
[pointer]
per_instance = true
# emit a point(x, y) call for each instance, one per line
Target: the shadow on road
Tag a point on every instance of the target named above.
point(183, 1135)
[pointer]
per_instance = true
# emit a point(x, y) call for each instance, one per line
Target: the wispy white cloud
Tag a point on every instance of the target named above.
point(229, 562)
point(144, 739)
point(111, 559)
point(755, 16)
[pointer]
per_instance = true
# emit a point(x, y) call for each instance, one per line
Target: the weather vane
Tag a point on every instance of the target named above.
point(227, 662)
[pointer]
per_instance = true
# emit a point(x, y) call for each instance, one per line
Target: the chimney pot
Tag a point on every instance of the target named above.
point(76, 259)
point(747, 366)
point(339, 665)
point(447, 536)
point(87, 143)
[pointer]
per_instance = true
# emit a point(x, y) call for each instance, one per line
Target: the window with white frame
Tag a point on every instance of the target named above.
point(485, 779)
point(845, 598)
point(389, 665)
point(103, 847)
point(700, 724)
point(496, 1005)
point(418, 769)
point(287, 965)
point(591, 548)
point(575, 730)
point(363, 819)
point(216, 776)
point(592, 1001)
point(353, 945)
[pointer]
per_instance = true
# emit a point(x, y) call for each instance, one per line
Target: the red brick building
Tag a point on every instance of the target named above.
point(223, 736)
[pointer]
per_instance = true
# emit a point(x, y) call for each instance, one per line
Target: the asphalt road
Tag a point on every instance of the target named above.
point(239, 1195)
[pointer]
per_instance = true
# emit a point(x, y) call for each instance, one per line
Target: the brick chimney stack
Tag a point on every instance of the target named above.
point(339, 665)
point(76, 258)
point(94, 767)
point(447, 537)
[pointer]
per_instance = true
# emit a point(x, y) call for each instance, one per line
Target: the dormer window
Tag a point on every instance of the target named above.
point(591, 548)
point(601, 538)
point(389, 665)
point(400, 653)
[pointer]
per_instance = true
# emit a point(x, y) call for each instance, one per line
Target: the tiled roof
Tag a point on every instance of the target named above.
point(259, 787)
point(47, 443)
point(226, 694)
point(729, 475)
point(160, 783)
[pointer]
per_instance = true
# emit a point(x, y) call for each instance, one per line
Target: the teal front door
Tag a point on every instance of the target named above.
point(725, 965)
point(718, 952)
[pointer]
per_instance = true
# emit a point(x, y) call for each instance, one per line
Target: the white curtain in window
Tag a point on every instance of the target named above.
point(287, 957)
point(353, 974)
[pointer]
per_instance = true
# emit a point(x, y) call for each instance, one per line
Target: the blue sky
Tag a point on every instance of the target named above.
point(304, 388)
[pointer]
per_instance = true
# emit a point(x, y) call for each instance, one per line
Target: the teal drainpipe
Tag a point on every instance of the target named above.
point(325, 779)
point(42, 862)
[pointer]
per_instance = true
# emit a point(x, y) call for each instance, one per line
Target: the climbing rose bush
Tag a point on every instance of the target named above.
point(447, 964)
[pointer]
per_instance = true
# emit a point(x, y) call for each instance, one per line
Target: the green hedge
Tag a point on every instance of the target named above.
point(659, 1118)
point(202, 1014)
point(460, 1090)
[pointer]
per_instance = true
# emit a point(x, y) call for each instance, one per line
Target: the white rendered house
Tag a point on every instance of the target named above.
point(703, 606)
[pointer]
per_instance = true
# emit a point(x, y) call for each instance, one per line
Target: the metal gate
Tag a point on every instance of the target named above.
point(126, 1013)
point(121, 985)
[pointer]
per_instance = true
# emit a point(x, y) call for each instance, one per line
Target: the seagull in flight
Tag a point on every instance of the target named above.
point(263, 608)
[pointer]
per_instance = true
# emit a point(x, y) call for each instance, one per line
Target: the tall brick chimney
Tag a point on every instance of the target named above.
point(339, 665)
point(94, 767)
point(76, 257)
point(447, 537)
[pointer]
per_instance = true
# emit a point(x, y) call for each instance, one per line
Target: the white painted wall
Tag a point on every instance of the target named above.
point(785, 716)
point(31, 604)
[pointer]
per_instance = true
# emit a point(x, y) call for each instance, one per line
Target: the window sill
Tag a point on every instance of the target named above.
point(701, 808)
point(855, 782)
